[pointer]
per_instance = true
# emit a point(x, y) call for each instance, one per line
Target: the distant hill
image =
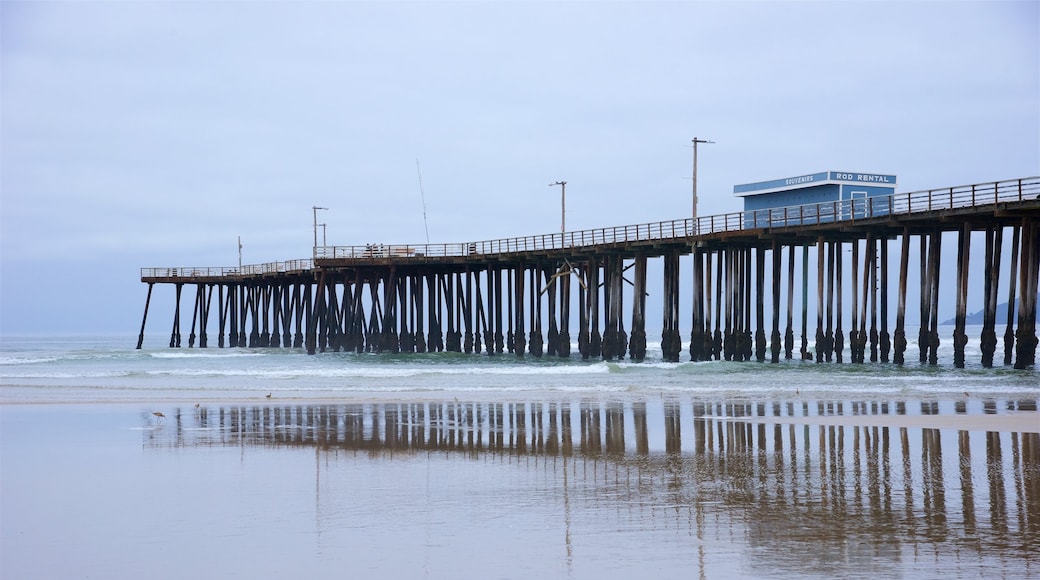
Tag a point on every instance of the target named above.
point(976, 317)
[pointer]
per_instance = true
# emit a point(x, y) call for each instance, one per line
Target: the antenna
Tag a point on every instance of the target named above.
point(422, 194)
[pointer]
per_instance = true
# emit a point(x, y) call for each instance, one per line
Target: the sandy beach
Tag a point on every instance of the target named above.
point(1010, 422)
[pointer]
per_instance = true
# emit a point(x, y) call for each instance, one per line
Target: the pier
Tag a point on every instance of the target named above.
point(751, 275)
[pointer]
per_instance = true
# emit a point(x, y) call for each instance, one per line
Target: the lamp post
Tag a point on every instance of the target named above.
point(316, 208)
point(696, 140)
point(563, 206)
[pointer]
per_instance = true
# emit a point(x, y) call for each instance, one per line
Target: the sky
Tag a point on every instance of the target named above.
point(155, 134)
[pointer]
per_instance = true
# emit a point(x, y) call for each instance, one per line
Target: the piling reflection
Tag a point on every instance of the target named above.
point(861, 492)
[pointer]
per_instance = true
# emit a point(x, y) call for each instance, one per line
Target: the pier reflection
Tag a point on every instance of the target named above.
point(846, 477)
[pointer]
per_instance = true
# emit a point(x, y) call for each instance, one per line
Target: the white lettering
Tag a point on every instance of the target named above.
point(872, 178)
point(797, 180)
point(845, 176)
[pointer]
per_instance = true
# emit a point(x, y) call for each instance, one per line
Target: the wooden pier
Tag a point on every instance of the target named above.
point(516, 295)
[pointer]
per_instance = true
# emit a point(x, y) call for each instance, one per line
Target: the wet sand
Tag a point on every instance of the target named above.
point(1011, 422)
point(592, 487)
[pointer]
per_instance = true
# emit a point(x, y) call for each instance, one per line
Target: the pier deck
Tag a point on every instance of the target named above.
point(516, 294)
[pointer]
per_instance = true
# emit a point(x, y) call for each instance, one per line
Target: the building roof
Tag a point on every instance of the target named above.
point(815, 180)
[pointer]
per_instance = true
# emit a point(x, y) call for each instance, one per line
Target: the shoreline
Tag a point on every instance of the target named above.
point(970, 419)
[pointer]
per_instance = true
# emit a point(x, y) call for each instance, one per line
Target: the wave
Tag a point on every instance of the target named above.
point(27, 360)
point(387, 372)
point(199, 354)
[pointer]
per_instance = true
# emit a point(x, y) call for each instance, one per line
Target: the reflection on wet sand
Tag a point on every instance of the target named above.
point(811, 487)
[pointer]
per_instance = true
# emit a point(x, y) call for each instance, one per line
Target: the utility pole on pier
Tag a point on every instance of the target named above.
point(563, 205)
point(316, 208)
point(696, 140)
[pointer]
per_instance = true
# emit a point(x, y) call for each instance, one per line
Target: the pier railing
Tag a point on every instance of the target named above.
point(287, 266)
point(966, 196)
point(793, 216)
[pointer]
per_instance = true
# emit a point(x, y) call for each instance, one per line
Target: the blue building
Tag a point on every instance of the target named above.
point(815, 198)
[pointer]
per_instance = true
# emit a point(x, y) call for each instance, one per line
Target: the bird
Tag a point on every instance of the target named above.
point(159, 415)
point(196, 405)
point(268, 395)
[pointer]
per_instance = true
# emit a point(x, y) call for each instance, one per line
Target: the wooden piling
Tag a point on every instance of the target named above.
point(760, 331)
point(563, 347)
point(697, 310)
point(839, 334)
point(991, 284)
point(960, 337)
point(805, 303)
point(593, 289)
point(144, 318)
point(900, 334)
point(774, 346)
point(821, 262)
point(789, 334)
point(584, 338)
point(933, 309)
point(519, 345)
point(537, 345)
point(872, 244)
point(1025, 353)
point(1009, 331)
point(175, 333)
point(637, 343)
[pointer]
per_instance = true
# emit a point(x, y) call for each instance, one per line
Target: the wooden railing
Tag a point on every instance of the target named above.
point(966, 196)
point(219, 272)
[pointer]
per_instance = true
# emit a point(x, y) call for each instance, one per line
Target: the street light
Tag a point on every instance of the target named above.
point(696, 140)
point(563, 205)
point(316, 208)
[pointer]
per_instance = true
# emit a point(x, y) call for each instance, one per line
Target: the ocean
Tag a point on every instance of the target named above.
point(169, 463)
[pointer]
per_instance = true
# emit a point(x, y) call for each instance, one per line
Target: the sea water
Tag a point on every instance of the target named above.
point(110, 369)
point(270, 462)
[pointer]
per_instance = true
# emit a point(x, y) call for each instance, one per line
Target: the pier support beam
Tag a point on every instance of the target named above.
point(536, 343)
point(563, 339)
point(933, 278)
point(839, 272)
point(774, 346)
point(886, 339)
point(760, 331)
point(175, 333)
point(671, 339)
point(1009, 332)
point(697, 311)
point(821, 263)
point(147, 302)
point(584, 338)
point(519, 337)
point(991, 284)
point(789, 332)
point(960, 337)
point(900, 336)
point(637, 344)
point(1025, 353)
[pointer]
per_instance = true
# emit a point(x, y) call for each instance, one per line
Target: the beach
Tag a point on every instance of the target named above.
point(450, 467)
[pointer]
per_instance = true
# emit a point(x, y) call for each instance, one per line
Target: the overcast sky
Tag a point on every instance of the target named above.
point(146, 134)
